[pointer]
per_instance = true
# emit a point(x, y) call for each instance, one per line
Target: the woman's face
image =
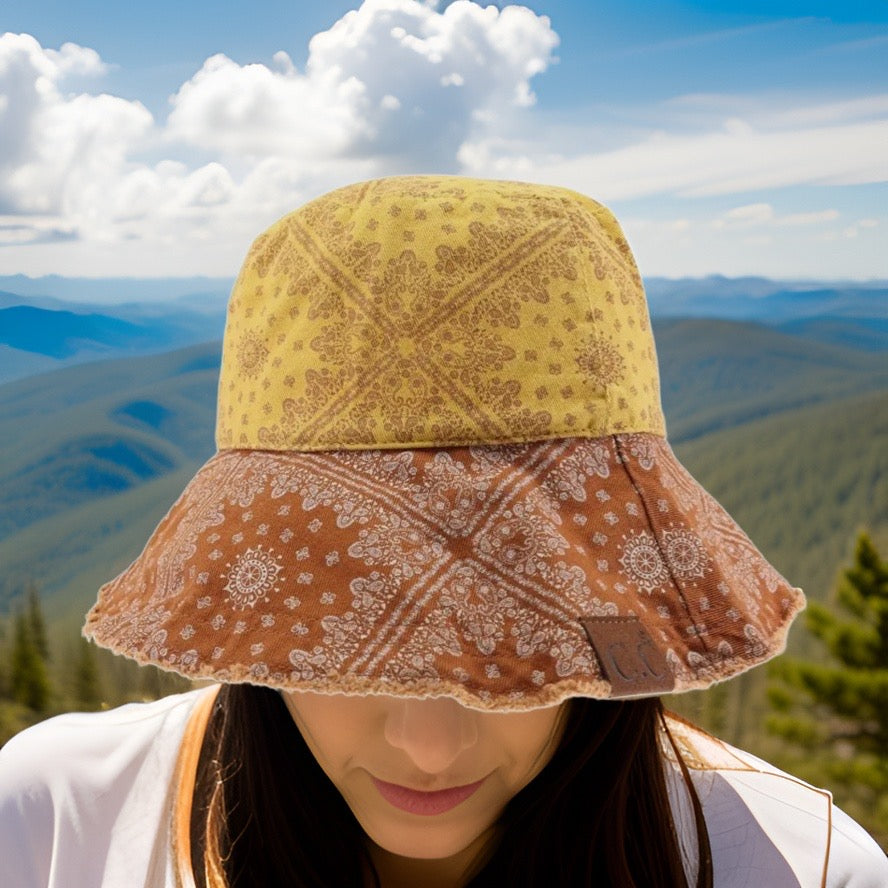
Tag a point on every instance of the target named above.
point(425, 778)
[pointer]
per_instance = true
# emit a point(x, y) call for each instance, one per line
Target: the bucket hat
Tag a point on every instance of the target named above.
point(442, 470)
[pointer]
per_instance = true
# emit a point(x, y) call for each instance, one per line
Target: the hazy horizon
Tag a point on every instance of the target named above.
point(102, 290)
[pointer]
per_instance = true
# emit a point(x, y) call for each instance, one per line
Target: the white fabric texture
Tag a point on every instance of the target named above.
point(86, 801)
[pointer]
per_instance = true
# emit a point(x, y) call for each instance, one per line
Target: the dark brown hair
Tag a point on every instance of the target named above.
point(265, 813)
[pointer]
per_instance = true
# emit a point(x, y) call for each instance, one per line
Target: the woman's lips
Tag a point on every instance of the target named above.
point(415, 801)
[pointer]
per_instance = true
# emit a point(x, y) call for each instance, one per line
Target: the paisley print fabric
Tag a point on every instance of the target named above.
point(459, 571)
point(442, 470)
point(437, 311)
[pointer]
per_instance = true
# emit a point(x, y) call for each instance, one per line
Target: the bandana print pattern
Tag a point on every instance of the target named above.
point(467, 334)
point(468, 575)
point(254, 576)
point(440, 451)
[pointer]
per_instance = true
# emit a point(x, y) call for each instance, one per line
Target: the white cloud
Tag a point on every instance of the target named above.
point(67, 174)
point(255, 111)
point(400, 86)
point(393, 86)
point(759, 215)
point(74, 59)
point(854, 230)
point(679, 247)
point(816, 218)
point(751, 214)
point(774, 111)
point(37, 229)
point(58, 152)
point(393, 78)
point(733, 159)
point(829, 113)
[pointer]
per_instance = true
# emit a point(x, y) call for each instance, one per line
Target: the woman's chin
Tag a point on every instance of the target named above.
point(426, 841)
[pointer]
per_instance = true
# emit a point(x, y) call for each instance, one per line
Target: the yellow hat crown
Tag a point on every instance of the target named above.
point(437, 311)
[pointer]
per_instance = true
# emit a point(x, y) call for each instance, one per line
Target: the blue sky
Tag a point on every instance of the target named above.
point(733, 138)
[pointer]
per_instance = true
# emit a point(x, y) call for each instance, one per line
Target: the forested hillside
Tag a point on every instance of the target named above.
point(789, 433)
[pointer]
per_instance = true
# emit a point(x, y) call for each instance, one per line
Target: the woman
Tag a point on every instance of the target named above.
point(439, 572)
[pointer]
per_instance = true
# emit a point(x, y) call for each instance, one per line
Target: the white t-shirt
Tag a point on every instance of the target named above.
point(87, 800)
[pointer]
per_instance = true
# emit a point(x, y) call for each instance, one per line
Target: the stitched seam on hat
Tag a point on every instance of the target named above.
point(335, 273)
point(587, 290)
point(647, 513)
point(388, 634)
point(504, 265)
point(346, 284)
point(556, 434)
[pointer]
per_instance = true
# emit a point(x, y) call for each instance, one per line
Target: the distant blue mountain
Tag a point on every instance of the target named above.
point(866, 334)
point(44, 333)
point(765, 301)
point(61, 334)
point(115, 291)
point(50, 322)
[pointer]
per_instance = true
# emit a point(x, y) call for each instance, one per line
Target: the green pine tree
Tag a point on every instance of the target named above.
point(36, 622)
point(836, 709)
point(87, 687)
point(5, 690)
point(28, 676)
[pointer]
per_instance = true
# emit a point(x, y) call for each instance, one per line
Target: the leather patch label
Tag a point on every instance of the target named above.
point(628, 658)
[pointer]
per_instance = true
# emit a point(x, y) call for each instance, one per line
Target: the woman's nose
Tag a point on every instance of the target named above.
point(432, 732)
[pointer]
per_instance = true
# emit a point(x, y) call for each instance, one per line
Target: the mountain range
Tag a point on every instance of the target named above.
point(779, 405)
point(83, 322)
point(789, 433)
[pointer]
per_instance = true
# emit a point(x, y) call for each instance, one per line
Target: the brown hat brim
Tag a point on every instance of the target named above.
point(508, 577)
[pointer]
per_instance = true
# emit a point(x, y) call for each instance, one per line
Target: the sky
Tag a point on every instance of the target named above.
point(729, 138)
